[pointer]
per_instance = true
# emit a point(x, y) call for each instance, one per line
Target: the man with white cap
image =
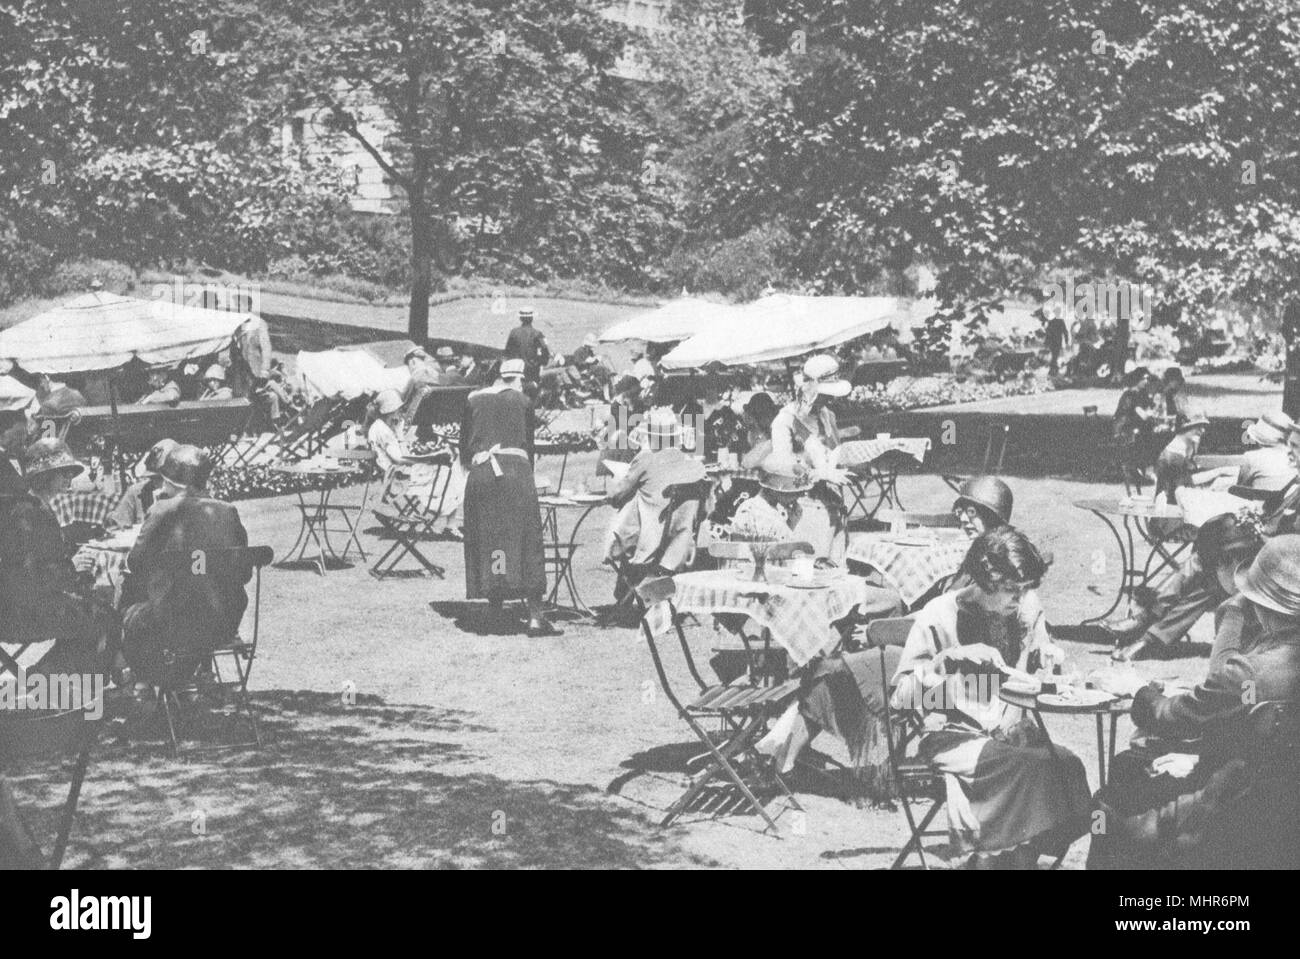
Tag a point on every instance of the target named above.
point(214, 385)
point(1222, 802)
point(504, 555)
point(637, 529)
point(1268, 467)
point(527, 343)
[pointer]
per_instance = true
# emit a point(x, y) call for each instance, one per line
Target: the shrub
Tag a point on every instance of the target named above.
point(77, 276)
point(742, 267)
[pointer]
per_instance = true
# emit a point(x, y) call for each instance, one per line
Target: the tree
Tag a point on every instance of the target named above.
point(1004, 141)
point(511, 142)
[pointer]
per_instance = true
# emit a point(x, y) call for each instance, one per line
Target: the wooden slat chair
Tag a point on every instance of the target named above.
point(237, 653)
point(49, 733)
point(410, 520)
point(742, 708)
point(916, 780)
point(681, 496)
point(995, 452)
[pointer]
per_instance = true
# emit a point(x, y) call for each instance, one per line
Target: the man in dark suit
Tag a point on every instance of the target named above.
point(527, 343)
point(182, 594)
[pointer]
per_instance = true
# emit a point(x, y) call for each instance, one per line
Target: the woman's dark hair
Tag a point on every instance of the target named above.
point(1173, 375)
point(761, 408)
point(1133, 377)
point(1004, 557)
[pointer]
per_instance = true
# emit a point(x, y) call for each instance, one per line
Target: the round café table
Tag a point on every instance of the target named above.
point(1112, 709)
point(1136, 517)
point(559, 551)
point(315, 516)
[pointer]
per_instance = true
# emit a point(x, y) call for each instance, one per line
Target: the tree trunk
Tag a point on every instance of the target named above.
point(1119, 355)
point(1291, 337)
point(421, 266)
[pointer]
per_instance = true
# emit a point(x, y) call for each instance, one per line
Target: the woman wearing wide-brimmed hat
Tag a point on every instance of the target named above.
point(49, 468)
point(1234, 802)
point(214, 385)
point(637, 530)
point(1269, 466)
point(504, 556)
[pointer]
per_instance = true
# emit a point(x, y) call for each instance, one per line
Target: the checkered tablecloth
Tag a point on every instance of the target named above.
point(800, 620)
point(913, 570)
point(860, 452)
point(83, 506)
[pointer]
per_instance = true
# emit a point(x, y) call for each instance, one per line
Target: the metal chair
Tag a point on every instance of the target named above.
point(364, 460)
point(742, 707)
point(237, 652)
point(409, 521)
point(995, 452)
point(914, 779)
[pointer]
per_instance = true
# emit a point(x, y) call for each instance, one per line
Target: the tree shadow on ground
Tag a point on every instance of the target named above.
point(335, 786)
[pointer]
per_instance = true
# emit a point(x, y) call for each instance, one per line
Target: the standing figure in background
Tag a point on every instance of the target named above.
point(504, 557)
point(527, 343)
point(1057, 335)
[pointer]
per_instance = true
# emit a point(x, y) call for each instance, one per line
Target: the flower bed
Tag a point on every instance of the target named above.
point(234, 483)
point(910, 393)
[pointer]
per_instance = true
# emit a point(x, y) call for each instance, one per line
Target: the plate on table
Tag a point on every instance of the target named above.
point(1076, 696)
point(587, 497)
point(1022, 687)
point(912, 540)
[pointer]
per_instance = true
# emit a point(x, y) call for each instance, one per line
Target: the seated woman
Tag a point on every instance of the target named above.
point(1008, 791)
point(416, 478)
point(1206, 790)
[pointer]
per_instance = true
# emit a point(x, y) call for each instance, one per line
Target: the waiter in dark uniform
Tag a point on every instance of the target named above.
point(503, 524)
point(527, 343)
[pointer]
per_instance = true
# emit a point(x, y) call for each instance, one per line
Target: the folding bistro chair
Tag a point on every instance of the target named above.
point(995, 452)
point(680, 496)
point(364, 460)
point(409, 521)
point(237, 653)
point(741, 708)
point(915, 780)
point(46, 733)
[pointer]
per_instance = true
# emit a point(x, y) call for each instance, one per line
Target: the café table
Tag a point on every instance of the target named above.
point(315, 515)
point(1112, 709)
point(877, 463)
point(799, 618)
point(559, 551)
point(911, 562)
point(108, 557)
point(1162, 549)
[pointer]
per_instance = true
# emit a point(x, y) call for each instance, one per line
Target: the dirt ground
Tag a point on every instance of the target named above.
point(402, 733)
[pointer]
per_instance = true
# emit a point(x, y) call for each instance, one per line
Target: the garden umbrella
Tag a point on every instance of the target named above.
point(671, 322)
point(781, 326)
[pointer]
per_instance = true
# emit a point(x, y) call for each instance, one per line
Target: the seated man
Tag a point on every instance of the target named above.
point(163, 389)
point(1225, 801)
point(140, 496)
point(214, 385)
point(638, 529)
point(1176, 465)
point(450, 364)
point(1204, 582)
point(57, 399)
point(179, 601)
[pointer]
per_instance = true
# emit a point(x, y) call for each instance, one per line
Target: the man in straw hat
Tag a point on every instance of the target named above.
point(638, 530)
point(174, 612)
point(504, 555)
point(214, 385)
point(1228, 801)
point(526, 342)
